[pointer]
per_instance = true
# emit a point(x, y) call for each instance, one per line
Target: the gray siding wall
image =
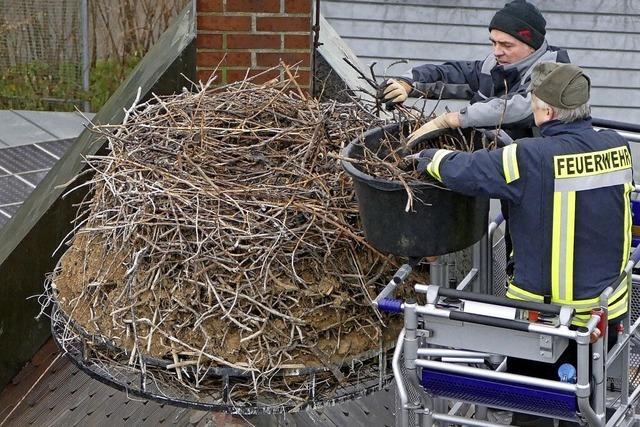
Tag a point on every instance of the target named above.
point(603, 37)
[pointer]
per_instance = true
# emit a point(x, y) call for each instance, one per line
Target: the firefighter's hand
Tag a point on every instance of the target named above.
point(443, 121)
point(422, 159)
point(501, 138)
point(394, 91)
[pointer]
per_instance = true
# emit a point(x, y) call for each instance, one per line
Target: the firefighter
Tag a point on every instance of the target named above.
point(517, 33)
point(568, 193)
point(496, 86)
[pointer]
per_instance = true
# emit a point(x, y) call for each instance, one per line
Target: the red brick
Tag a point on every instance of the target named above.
point(283, 23)
point(253, 41)
point(298, 6)
point(209, 6)
point(253, 6)
point(212, 59)
point(224, 23)
point(209, 41)
point(304, 77)
point(204, 75)
point(237, 75)
point(295, 41)
point(271, 59)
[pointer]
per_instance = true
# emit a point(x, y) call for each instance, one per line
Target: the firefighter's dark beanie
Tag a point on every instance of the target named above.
point(523, 21)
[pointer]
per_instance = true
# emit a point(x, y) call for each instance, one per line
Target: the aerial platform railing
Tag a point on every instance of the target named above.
point(491, 328)
point(473, 324)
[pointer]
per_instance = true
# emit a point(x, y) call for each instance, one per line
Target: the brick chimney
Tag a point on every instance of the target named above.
point(254, 35)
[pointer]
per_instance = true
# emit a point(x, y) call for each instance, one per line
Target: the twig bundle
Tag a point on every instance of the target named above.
point(221, 232)
point(387, 158)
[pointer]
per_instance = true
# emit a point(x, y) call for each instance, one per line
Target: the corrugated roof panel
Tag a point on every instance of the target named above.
point(25, 158)
point(13, 190)
point(16, 130)
point(577, 18)
point(478, 36)
point(59, 124)
point(57, 148)
point(34, 178)
point(602, 37)
point(615, 7)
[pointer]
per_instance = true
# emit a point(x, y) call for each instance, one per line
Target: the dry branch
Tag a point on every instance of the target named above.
point(221, 232)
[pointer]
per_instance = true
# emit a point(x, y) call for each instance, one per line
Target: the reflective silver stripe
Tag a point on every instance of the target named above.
point(510, 163)
point(514, 292)
point(562, 267)
point(434, 166)
point(628, 188)
point(582, 305)
point(591, 182)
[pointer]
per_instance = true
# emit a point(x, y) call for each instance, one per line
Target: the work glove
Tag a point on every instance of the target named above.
point(393, 91)
point(422, 159)
point(443, 121)
point(502, 139)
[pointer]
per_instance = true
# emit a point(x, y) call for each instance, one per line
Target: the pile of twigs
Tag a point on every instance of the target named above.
point(221, 232)
point(386, 158)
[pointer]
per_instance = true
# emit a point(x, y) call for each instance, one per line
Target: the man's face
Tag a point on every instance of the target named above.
point(508, 49)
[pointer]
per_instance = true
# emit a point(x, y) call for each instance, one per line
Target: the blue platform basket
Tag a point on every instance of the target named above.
point(635, 229)
point(501, 394)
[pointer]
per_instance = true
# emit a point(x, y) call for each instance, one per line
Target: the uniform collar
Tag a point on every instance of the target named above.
point(555, 127)
point(523, 64)
point(528, 61)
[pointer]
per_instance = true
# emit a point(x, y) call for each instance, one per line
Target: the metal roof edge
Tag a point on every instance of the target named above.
point(30, 238)
point(333, 49)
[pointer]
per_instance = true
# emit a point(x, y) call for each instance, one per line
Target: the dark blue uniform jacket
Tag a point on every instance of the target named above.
point(570, 220)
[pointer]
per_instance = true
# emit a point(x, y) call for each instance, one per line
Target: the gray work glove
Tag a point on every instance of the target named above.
point(422, 158)
point(501, 137)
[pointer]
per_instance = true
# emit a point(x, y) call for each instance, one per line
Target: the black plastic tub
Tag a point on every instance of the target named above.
point(441, 221)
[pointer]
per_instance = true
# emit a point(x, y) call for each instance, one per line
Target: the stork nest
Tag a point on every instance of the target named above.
point(220, 232)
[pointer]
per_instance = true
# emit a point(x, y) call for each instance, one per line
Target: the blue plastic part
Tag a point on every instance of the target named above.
point(567, 373)
point(635, 214)
point(390, 305)
point(501, 394)
point(635, 211)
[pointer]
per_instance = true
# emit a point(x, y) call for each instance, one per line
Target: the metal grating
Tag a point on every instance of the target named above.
point(413, 395)
point(499, 260)
point(365, 374)
point(65, 396)
point(634, 356)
